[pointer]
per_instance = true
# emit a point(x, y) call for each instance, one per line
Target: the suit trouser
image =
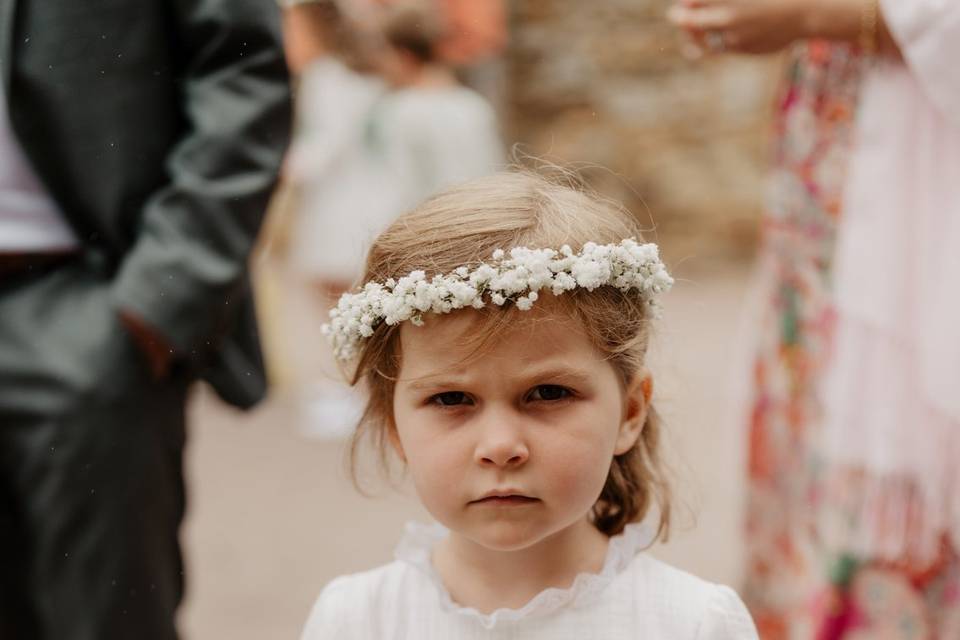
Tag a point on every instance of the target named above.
point(91, 485)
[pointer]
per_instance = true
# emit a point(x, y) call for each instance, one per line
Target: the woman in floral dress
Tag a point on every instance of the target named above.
point(853, 523)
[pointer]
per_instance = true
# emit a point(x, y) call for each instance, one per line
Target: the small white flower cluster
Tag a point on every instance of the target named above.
point(517, 278)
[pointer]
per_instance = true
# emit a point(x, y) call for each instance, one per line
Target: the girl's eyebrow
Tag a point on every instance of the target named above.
point(560, 375)
point(569, 375)
point(429, 383)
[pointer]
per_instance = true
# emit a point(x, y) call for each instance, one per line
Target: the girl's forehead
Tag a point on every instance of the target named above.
point(467, 340)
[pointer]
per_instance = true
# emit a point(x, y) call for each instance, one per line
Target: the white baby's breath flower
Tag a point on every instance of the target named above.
point(482, 275)
point(563, 281)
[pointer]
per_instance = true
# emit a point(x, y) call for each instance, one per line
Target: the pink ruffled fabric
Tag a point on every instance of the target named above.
point(892, 393)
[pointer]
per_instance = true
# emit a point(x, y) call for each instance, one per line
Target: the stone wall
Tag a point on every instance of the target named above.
point(602, 84)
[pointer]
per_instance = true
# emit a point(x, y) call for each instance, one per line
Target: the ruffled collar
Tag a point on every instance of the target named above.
point(416, 548)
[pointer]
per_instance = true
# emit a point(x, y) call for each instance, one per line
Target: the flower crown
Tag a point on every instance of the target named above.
point(517, 278)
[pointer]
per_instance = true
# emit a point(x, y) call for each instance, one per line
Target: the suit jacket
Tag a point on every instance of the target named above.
point(158, 126)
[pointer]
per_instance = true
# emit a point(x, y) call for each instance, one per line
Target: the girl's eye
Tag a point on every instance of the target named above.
point(450, 399)
point(549, 393)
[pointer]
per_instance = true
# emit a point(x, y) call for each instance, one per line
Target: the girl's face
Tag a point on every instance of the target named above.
point(514, 445)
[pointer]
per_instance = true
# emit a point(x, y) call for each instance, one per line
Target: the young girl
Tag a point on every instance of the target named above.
point(501, 332)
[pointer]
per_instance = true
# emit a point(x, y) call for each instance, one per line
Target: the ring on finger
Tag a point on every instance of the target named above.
point(715, 40)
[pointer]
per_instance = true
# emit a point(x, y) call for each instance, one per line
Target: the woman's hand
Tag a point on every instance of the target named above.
point(766, 26)
point(744, 26)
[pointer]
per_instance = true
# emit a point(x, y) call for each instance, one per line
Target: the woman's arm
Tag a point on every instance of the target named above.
point(844, 20)
point(766, 26)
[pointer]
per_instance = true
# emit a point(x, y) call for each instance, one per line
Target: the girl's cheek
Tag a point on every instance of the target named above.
point(434, 461)
point(575, 472)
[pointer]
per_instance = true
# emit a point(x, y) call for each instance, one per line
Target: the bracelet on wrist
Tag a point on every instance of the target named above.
point(869, 17)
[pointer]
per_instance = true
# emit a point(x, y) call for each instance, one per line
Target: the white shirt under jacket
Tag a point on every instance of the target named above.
point(30, 220)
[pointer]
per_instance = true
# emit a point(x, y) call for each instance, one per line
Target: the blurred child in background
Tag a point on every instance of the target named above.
point(382, 124)
point(433, 131)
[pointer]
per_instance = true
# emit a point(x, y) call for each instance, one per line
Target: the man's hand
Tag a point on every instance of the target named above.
point(154, 346)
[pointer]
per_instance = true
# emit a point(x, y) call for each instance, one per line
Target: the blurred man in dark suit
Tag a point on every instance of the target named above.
point(139, 143)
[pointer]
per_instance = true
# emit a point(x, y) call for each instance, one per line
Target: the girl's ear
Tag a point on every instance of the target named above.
point(636, 406)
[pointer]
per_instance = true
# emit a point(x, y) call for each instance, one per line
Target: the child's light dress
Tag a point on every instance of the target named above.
point(634, 596)
point(346, 196)
point(435, 137)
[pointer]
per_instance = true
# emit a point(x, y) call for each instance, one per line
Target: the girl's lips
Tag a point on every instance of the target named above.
point(506, 501)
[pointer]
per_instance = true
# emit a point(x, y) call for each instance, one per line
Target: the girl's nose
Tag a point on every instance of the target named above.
point(502, 445)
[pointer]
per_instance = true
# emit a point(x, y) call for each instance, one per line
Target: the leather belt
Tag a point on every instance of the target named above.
point(18, 264)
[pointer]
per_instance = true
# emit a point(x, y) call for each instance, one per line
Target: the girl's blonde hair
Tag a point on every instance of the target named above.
point(462, 227)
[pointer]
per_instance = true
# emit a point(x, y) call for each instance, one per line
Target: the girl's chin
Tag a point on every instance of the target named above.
point(506, 535)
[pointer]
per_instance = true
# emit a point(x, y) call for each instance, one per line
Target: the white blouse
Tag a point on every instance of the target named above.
point(633, 596)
